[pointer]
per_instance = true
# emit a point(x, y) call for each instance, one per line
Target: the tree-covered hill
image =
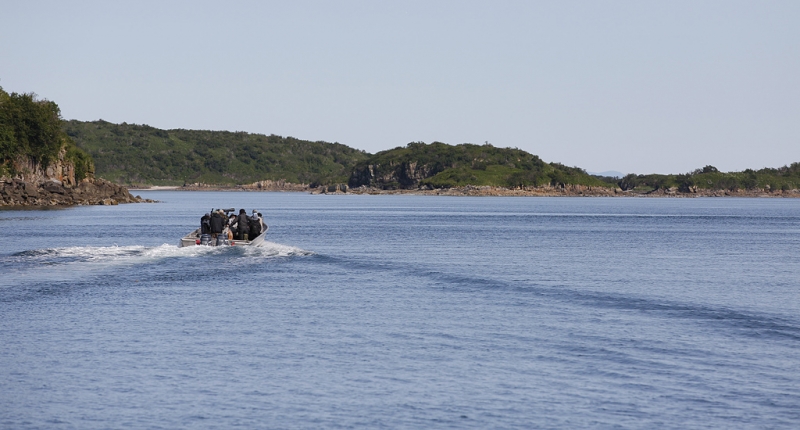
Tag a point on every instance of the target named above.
point(30, 134)
point(144, 155)
point(439, 165)
point(140, 154)
point(710, 178)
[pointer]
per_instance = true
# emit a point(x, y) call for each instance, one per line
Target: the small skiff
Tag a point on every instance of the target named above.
point(196, 237)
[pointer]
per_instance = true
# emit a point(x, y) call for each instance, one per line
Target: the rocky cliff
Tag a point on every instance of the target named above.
point(55, 185)
point(404, 174)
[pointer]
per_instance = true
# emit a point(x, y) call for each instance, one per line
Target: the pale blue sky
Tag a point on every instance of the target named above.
point(605, 85)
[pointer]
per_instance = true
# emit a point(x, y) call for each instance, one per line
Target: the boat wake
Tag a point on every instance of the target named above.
point(143, 254)
point(69, 264)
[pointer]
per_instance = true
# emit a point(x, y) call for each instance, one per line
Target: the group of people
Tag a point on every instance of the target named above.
point(239, 227)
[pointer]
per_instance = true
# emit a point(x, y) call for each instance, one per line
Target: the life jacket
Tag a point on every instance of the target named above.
point(255, 226)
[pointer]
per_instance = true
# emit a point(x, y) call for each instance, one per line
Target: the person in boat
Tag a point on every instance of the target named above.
point(218, 223)
point(205, 224)
point(261, 220)
point(254, 223)
point(233, 225)
point(242, 225)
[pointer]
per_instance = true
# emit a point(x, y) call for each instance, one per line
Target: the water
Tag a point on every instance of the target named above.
point(404, 311)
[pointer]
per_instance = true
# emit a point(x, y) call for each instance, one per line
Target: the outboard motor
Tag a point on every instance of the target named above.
point(222, 239)
point(205, 239)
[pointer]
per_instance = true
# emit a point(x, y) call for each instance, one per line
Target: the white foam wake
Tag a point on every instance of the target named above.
point(143, 254)
point(75, 262)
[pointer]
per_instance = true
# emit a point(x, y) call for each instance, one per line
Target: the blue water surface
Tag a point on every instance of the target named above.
point(404, 312)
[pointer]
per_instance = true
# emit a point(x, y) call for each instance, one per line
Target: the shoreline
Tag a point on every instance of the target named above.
point(489, 191)
point(16, 193)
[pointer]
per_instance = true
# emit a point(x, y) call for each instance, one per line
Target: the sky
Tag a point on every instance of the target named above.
point(630, 86)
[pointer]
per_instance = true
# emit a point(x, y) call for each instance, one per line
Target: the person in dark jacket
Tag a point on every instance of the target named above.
point(205, 224)
point(255, 226)
point(217, 223)
point(243, 225)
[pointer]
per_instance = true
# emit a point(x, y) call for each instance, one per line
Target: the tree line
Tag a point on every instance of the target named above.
point(710, 178)
point(134, 154)
point(30, 127)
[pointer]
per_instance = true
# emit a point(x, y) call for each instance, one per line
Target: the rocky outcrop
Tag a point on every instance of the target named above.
point(55, 185)
point(405, 175)
point(330, 189)
point(267, 185)
point(700, 192)
point(279, 185)
point(573, 191)
point(479, 190)
point(58, 170)
point(16, 192)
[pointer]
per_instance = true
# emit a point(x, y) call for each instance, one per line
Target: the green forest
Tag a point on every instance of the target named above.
point(710, 178)
point(132, 154)
point(439, 165)
point(32, 128)
point(142, 155)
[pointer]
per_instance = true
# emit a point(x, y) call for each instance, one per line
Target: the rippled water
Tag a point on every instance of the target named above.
point(404, 311)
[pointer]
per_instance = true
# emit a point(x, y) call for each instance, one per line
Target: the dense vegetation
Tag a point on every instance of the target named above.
point(32, 128)
point(710, 178)
point(140, 154)
point(439, 165)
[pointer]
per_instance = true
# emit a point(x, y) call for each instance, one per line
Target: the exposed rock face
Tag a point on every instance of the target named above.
point(334, 188)
point(58, 170)
point(406, 175)
point(16, 192)
point(56, 186)
point(279, 185)
point(267, 185)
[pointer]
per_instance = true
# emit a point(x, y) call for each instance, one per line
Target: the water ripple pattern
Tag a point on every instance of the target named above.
point(404, 312)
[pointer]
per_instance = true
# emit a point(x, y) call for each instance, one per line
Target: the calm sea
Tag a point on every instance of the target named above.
point(404, 312)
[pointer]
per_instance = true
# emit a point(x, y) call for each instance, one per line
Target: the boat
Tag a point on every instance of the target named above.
point(197, 238)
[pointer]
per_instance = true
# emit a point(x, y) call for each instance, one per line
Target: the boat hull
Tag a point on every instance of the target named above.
point(193, 239)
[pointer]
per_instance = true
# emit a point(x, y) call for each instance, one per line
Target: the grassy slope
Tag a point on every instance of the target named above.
point(140, 154)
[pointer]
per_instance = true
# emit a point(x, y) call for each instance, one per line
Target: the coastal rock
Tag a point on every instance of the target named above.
point(55, 185)
point(266, 185)
point(59, 170)
point(335, 188)
point(405, 175)
point(569, 190)
point(16, 192)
